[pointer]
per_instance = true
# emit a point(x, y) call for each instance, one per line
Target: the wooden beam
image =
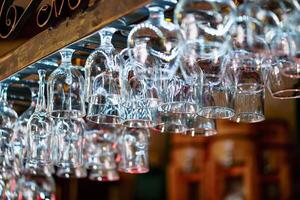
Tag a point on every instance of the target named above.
point(69, 31)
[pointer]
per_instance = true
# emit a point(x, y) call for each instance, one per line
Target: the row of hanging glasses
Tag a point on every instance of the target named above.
point(214, 62)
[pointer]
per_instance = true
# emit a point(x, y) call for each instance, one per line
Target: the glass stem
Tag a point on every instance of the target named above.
point(66, 57)
point(3, 92)
point(41, 100)
point(156, 14)
point(106, 35)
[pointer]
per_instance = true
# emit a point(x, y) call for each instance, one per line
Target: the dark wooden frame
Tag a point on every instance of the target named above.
point(67, 32)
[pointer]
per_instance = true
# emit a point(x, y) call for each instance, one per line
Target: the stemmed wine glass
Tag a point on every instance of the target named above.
point(40, 131)
point(20, 136)
point(8, 174)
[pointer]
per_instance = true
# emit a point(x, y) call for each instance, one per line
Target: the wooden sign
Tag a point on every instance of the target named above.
point(36, 13)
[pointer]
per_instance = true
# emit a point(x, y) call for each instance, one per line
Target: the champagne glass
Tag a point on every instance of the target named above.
point(20, 136)
point(8, 117)
point(40, 132)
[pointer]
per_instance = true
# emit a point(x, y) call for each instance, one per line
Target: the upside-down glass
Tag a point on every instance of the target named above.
point(200, 126)
point(255, 21)
point(216, 96)
point(19, 140)
point(103, 107)
point(181, 101)
point(100, 151)
point(140, 94)
point(8, 117)
point(248, 72)
point(156, 38)
point(36, 186)
point(284, 75)
point(103, 59)
point(66, 89)
point(68, 145)
point(206, 21)
point(133, 146)
point(40, 124)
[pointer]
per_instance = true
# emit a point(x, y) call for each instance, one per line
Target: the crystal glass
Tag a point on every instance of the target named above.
point(8, 117)
point(156, 38)
point(34, 185)
point(284, 75)
point(281, 8)
point(218, 100)
point(133, 148)
point(207, 21)
point(248, 72)
point(181, 101)
point(101, 152)
point(196, 61)
point(103, 59)
point(104, 102)
point(200, 126)
point(255, 21)
point(68, 144)
point(71, 172)
point(218, 87)
point(140, 93)
point(250, 34)
point(40, 124)
point(66, 89)
point(20, 136)
point(8, 181)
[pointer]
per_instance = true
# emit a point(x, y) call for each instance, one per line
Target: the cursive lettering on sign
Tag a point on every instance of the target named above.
point(12, 17)
point(55, 9)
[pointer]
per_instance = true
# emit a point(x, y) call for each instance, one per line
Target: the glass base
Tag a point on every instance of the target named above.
point(79, 172)
point(216, 112)
point(249, 117)
point(134, 170)
point(137, 123)
point(104, 175)
point(105, 119)
point(170, 128)
point(286, 94)
point(196, 132)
